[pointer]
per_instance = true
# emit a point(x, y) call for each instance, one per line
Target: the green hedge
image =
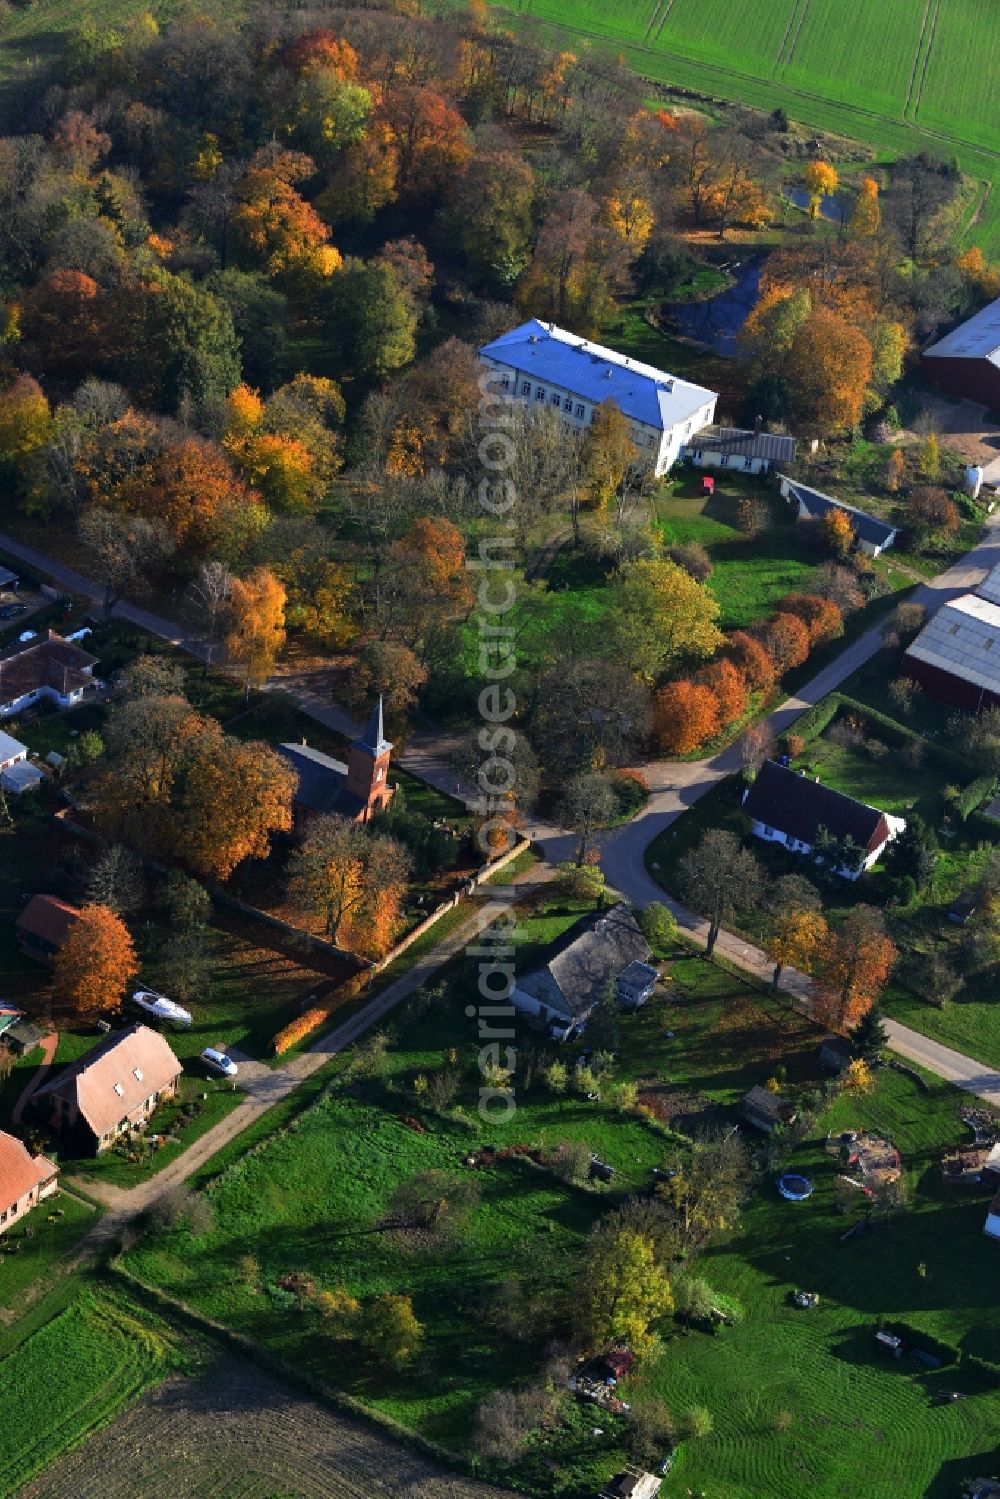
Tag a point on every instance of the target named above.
point(984, 1368)
point(813, 722)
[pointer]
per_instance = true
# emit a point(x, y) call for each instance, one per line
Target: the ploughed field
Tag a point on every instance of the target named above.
point(236, 1431)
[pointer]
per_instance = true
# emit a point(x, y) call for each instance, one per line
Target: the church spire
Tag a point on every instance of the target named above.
point(373, 739)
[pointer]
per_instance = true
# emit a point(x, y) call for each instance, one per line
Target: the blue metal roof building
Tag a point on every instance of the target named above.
point(551, 364)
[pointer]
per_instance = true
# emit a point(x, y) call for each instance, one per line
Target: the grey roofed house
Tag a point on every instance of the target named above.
point(21, 776)
point(23, 1036)
point(873, 534)
point(594, 952)
point(322, 784)
point(836, 1053)
point(738, 442)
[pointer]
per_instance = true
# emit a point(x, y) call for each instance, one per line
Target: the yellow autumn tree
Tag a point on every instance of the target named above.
point(797, 938)
point(622, 1291)
point(257, 624)
point(821, 180)
point(630, 215)
point(866, 215)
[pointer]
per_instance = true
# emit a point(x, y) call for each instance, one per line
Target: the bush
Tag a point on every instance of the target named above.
point(694, 559)
point(697, 1421)
point(971, 797)
point(659, 926)
point(296, 1029)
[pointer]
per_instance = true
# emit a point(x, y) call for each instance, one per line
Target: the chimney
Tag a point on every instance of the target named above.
point(758, 424)
point(305, 742)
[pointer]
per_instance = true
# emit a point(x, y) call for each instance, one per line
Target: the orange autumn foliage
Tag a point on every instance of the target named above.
point(685, 714)
point(837, 531)
point(430, 138)
point(829, 366)
point(728, 687)
point(821, 617)
point(234, 797)
point(751, 660)
point(298, 1028)
point(786, 640)
point(321, 49)
point(95, 964)
point(257, 623)
point(274, 227)
point(853, 965)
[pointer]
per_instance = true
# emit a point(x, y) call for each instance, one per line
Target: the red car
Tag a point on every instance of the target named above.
point(708, 485)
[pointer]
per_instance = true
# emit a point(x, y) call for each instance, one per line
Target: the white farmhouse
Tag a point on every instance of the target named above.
point(787, 807)
point(545, 365)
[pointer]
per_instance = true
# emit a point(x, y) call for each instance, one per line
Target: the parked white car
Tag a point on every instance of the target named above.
point(219, 1062)
point(159, 1004)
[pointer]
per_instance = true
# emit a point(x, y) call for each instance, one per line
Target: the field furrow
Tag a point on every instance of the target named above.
point(798, 31)
point(918, 57)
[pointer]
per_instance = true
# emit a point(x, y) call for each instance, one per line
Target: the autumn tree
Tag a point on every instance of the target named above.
point(352, 880)
point(829, 368)
point(388, 1328)
point(852, 967)
point(821, 616)
point(729, 688)
point(685, 715)
point(621, 1291)
point(235, 795)
point(389, 669)
point(609, 452)
point(706, 1187)
point(796, 938)
point(785, 639)
point(424, 583)
point(720, 878)
point(578, 265)
point(821, 182)
point(866, 214)
point(273, 227)
point(24, 422)
point(751, 660)
point(663, 617)
point(257, 624)
point(836, 530)
point(123, 549)
point(931, 513)
point(429, 137)
point(895, 470)
point(95, 964)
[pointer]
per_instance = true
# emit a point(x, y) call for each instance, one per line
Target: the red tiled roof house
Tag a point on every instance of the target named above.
point(52, 668)
point(24, 1180)
point(43, 926)
point(113, 1088)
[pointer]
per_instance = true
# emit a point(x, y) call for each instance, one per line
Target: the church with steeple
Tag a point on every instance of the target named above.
point(326, 786)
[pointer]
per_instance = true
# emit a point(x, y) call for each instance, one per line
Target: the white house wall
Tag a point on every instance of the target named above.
point(659, 448)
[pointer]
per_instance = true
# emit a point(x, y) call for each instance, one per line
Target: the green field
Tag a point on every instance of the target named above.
point(70, 1378)
point(903, 76)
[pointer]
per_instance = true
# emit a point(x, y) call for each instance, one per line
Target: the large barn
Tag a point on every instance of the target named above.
point(966, 362)
point(956, 656)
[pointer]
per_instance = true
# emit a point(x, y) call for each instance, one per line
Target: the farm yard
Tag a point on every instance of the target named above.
point(237, 1425)
point(902, 77)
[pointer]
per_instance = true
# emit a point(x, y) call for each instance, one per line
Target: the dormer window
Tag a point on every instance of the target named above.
point(137, 1074)
point(119, 1090)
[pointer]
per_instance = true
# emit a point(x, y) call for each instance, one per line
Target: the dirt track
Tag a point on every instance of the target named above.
point(236, 1433)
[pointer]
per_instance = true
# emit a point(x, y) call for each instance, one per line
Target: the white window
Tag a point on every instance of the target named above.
point(768, 832)
point(579, 410)
point(526, 387)
point(567, 403)
point(504, 382)
point(651, 442)
point(748, 463)
point(379, 773)
point(539, 392)
point(555, 399)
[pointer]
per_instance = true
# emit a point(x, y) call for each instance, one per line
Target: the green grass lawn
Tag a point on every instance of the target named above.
point(749, 574)
point(805, 1402)
point(40, 1245)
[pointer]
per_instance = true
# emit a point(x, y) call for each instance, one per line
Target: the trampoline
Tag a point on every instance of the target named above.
point(794, 1188)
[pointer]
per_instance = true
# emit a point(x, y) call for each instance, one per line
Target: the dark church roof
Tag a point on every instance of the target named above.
point(322, 781)
point(798, 806)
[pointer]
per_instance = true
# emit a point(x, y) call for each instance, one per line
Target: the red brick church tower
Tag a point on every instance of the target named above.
point(368, 767)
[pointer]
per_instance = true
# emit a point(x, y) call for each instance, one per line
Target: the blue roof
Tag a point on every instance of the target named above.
point(815, 503)
point(597, 374)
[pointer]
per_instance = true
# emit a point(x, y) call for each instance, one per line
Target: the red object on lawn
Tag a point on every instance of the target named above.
point(708, 485)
